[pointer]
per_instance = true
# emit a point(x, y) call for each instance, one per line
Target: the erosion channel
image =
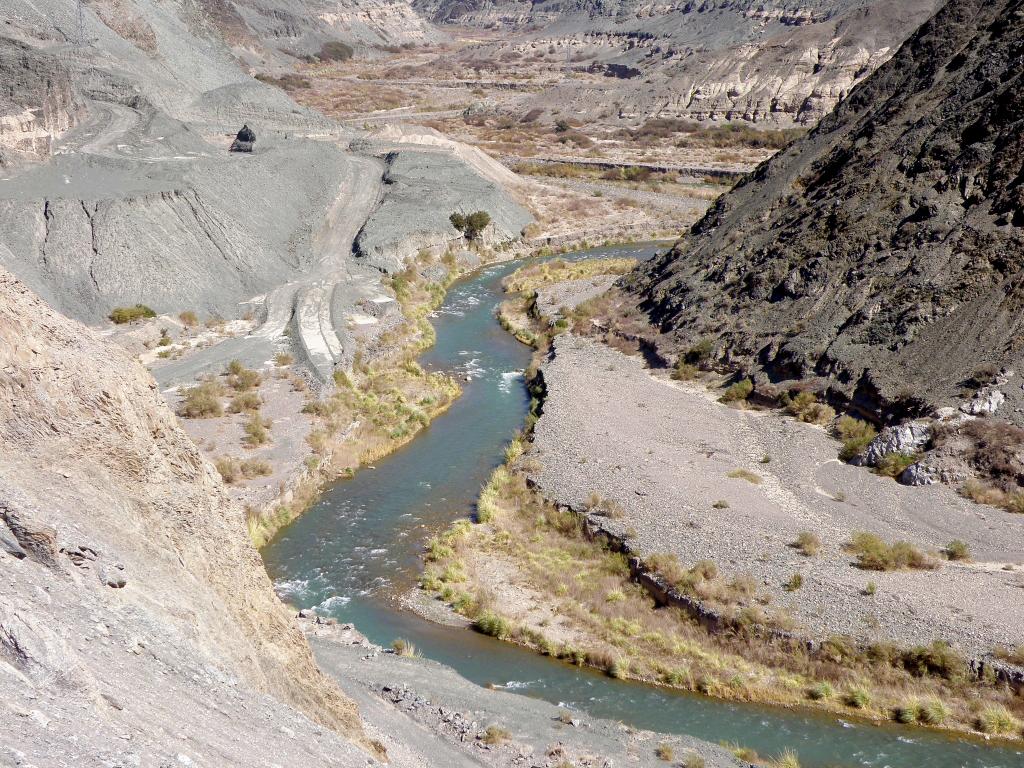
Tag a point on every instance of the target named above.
point(357, 549)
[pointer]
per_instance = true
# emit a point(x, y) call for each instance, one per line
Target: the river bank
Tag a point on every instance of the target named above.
point(446, 720)
point(624, 455)
point(358, 550)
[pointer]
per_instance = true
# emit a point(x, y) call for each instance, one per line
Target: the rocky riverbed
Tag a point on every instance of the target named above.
point(444, 719)
point(665, 450)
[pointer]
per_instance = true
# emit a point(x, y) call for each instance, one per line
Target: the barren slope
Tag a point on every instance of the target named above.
point(136, 616)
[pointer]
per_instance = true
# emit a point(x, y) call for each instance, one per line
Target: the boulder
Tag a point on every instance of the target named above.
point(984, 403)
point(244, 140)
point(919, 474)
point(905, 438)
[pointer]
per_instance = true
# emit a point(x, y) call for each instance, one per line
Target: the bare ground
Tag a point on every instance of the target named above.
point(664, 450)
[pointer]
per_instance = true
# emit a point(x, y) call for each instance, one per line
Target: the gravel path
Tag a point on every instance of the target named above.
point(664, 450)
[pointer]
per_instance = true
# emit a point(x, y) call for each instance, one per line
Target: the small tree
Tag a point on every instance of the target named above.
point(472, 224)
point(476, 223)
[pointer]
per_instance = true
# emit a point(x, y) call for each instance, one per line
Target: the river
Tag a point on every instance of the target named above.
point(359, 546)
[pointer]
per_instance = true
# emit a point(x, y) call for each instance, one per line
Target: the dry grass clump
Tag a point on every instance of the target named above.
point(257, 431)
point(665, 751)
point(605, 507)
point(745, 474)
point(202, 401)
point(684, 371)
point(982, 493)
point(998, 721)
point(805, 407)
point(240, 378)
point(1012, 655)
point(496, 735)
point(233, 470)
point(244, 402)
point(873, 554)
point(403, 647)
point(189, 318)
point(533, 276)
point(807, 544)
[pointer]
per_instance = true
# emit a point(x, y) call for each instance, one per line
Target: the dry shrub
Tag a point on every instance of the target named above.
point(806, 408)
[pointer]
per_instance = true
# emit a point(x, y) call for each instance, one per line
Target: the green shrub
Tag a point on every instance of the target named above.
point(855, 434)
point(121, 315)
point(858, 698)
point(820, 691)
point(795, 582)
point(933, 712)
point(684, 371)
point(335, 50)
point(699, 352)
point(997, 720)
point(893, 464)
point(471, 225)
point(957, 550)
point(873, 554)
point(737, 392)
point(939, 658)
point(256, 431)
point(489, 623)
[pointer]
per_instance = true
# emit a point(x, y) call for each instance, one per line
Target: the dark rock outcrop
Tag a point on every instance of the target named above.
point(883, 251)
point(244, 140)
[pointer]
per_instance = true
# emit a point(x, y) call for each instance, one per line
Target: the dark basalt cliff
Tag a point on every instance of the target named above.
point(883, 251)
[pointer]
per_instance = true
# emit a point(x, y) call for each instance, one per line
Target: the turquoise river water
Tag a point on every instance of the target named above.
point(359, 546)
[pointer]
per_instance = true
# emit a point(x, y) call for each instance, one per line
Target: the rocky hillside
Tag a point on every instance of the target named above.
point(136, 620)
point(783, 61)
point(37, 103)
point(884, 250)
point(303, 28)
